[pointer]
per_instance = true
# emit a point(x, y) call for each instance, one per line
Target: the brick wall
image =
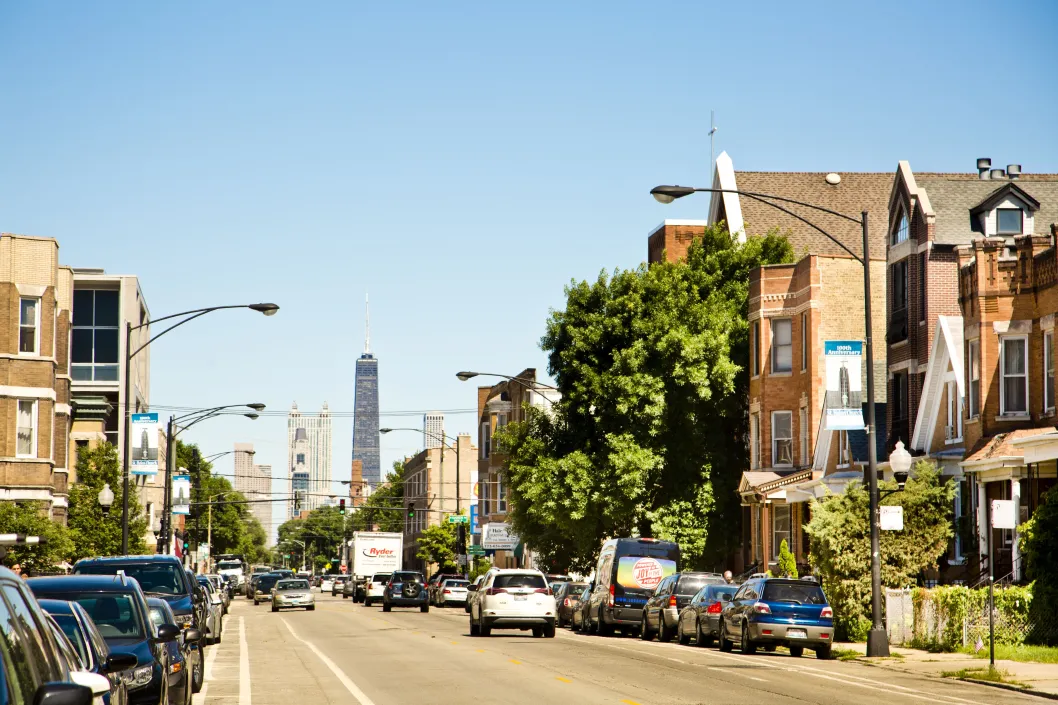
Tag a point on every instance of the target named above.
point(670, 241)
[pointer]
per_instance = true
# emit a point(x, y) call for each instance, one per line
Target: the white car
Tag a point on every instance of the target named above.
point(452, 592)
point(510, 598)
point(326, 584)
point(376, 587)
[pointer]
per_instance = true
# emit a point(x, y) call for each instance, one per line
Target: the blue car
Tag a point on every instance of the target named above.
point(770, 612)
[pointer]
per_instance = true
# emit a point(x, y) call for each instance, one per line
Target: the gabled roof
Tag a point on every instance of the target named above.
point(997, 196)
point(1001, 449)
point(947, 352)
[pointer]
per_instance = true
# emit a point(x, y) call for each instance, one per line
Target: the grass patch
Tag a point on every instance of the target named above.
point(1021, 652)
point(992, 675)
point(845, 654)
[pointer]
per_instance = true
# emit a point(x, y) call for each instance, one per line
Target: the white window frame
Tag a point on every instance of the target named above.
point(973, 386)
point(1003, 411)
point(804, 342)
point(956, 515)
point(954, 412)
point(776, 536)
point(36, 325)
point(1021, 227)
point(774, 346)
point(32, 428)
point(844, 450)
point(802, 428)
point(501, 495)
point(775, 440)
point(486, 439)
point(1048, 371)
point(754, 441)
point(754, 349)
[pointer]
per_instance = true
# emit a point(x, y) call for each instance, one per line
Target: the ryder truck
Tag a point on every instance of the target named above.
point(372, 552)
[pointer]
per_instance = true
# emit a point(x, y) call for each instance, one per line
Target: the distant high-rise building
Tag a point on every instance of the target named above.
point(255, 483)
point(365, 411)
point(309, 451)
point(433, 429)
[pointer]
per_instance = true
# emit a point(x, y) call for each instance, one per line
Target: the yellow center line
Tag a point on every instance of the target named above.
point(454, 643)
point(519, 663)
point(630, 702)
point(564, 680)
point(480, 651)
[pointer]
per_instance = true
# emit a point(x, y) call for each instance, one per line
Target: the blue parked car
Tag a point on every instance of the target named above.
point(770, 612)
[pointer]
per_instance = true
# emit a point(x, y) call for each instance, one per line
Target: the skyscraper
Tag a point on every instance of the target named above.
point(433, 429)
point(309, 453)
point(365, 410)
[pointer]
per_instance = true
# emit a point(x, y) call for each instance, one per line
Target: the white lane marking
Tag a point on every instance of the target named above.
point(736, 673)
point(244, 665)
point(339, 673)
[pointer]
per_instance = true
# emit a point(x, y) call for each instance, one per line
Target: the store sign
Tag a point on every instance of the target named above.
point(844, 400)
point(143, 457)
point(1003, 514)
point(498, 536)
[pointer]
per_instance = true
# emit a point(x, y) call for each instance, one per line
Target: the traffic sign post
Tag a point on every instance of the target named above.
point(475, 550)
point(459, 519)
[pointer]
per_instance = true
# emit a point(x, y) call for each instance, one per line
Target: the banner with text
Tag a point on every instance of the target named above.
point(181, 494)
point(844, 400)
point(144, 443)
point(497, 536)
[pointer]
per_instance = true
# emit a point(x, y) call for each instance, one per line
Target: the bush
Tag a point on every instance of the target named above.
point(1039, 545)
point(787, 563)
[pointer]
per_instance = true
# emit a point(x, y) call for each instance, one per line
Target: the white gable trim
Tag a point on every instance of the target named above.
point(947, 352)
point(724, 177)
point(823, 437)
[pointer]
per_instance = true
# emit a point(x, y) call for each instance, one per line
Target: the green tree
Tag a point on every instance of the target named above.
point(651, 428)
point(31, 519)
point(253, 544)
point(385, 507)
point(437, 544)
point(787, 567)
point(482, 565)
point(321, 532)
point(1039, 545)
point(93, 532)
point(840, 539)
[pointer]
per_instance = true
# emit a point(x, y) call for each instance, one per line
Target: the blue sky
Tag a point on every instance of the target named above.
point(461, 162)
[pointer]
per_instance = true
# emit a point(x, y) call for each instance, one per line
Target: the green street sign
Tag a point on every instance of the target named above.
point(475, 550)
point(459, 519)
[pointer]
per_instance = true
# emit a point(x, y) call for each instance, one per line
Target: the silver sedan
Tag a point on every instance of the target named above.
point(293, 592)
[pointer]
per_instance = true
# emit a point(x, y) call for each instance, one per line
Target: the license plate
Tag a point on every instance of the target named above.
point(521, 597)
point(796, 634)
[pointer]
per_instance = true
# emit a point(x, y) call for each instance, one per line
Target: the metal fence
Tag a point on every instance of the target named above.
point(899, 616)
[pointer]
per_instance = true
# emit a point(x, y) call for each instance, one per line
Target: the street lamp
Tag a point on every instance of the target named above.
point(464, 375)
point(268, 309)
point(105, 498)
point(877, 640)
point(900, 464)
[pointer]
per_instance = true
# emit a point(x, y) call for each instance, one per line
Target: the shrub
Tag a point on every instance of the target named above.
point(1039, 545)
point(787, 563)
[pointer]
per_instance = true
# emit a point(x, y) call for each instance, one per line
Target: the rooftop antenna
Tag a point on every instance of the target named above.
point(712, 133)
point(367, 325)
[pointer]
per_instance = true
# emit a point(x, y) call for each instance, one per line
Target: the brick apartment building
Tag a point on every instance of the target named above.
point(35, 304)
point(430, 487)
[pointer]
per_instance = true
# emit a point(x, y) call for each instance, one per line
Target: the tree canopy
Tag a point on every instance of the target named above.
point(1039, 543)
point(92, 532)
point(437, 544)
point(29, 518)
point(649, 436)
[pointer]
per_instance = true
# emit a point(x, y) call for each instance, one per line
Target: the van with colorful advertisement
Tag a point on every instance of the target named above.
point(626, 574)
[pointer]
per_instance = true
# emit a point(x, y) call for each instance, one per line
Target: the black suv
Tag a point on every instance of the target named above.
point(117, 606)
point(163, 577)
point(406, 588)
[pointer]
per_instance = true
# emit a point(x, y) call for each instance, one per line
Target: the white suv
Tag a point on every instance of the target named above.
point(376, 587)
point(513, 599)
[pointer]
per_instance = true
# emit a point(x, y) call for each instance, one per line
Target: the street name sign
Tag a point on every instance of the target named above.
point(459, 519)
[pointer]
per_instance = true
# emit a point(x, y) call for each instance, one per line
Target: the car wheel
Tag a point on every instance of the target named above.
point(549, 631)
point(188, 688)
point(797, 651)
point(747, 646)
point(681, 637)
point(725, 643)
point(367, 603)
point(255, 603)
point(700, 638)
point(197, 674)
point(538, 632)
point(344, 596)
point(644, 630)
point(475, 630)
point(770, 648)
point(664, 630)
point(386, 607)
point(274, 608)
point(424, 608)
point(823, 652)
point(220, 635)
point(486, 630)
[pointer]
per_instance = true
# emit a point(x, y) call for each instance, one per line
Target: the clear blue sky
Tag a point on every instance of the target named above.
point(461, 162)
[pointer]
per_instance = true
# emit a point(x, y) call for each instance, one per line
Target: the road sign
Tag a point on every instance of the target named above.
point(475, 550)
point(1003, 514)
point(459, 519)
point(892, 518)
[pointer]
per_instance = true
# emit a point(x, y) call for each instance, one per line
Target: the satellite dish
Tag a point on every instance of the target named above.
point(833, 179)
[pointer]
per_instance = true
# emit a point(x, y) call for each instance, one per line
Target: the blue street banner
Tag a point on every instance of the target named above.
point(844, 379)
point(143, 454)
point(474, 528)
point(181, 494)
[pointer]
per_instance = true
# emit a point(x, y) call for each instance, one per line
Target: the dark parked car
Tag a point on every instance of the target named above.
point(579, 610)
point(32, 670)
point(163, 577)
point(700, 619)
point(627, 573)
point(406, 589)
point(262, 588)
point(778, 612)
point(566, 595)
point(92, 651)
point(117, 606)
point(180, 654)
point(662, 610)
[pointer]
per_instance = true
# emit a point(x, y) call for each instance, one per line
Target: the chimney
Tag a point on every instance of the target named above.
point(1013, 171)
point(997, 174)
point(983, 165)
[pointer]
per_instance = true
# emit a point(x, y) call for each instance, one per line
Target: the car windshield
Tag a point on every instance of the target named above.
point(292, 585)
point(114, 613)
point(227, 565)
point(158, 616)
point(794, 593)
point(381, 577)
point(520, 580)
point(265, 582)
point(691, 584)
point(159, 578)
point(72, 630)
point(722, 593)
point(401, 577)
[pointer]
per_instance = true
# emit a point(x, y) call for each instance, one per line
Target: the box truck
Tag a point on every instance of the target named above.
point(372, 552)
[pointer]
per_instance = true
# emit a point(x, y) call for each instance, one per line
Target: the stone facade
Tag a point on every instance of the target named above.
point(430, 486)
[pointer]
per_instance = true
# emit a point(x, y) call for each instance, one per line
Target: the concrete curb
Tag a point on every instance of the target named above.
point(1003, 686)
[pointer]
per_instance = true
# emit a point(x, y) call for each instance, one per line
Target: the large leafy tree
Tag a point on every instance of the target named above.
point(385, 507)
point(321, 531)
point(649, 437)
point(437, 544)
point(840, 539)
point(30, 518)
point(93, 532)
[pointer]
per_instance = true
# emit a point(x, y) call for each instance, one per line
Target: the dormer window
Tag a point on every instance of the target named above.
point(901, 232)
point(1009, 221)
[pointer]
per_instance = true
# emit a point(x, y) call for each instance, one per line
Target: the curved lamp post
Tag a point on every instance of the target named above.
point(877, 639)
point(268, 309)
point(464, 375)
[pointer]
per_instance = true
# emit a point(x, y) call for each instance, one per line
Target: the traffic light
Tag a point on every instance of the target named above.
point(461, 539)
point(411, 510)
point(341, 506)
point(187, 545)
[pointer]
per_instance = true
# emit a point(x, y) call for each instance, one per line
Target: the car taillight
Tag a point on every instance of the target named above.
point(495, 591)
point(447, 591)
point(761, 608)
point(610, 601)
point(715, 608)
point(543, 591)
point(672, 600)
point(827, 613)
point(565, 602)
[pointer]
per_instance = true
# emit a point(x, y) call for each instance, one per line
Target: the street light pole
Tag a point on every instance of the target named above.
point(877, 640)
point(267, 309)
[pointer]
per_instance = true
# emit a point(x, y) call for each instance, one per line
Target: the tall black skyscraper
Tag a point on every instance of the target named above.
point(365, 410)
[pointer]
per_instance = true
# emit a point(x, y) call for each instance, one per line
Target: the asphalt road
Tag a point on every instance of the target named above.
point(349, 654)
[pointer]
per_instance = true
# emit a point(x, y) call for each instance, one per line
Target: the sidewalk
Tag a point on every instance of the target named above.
point(1041, 678)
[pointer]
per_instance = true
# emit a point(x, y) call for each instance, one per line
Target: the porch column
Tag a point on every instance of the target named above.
point(1015, 554)
point(765, 534)
point(982, 520)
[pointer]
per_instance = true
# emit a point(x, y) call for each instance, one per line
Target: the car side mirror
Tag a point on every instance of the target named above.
point(472, 588)
point(93, 681)
point(192, 635)
point(62, 694)
point(116, 663)
point(168, 632)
